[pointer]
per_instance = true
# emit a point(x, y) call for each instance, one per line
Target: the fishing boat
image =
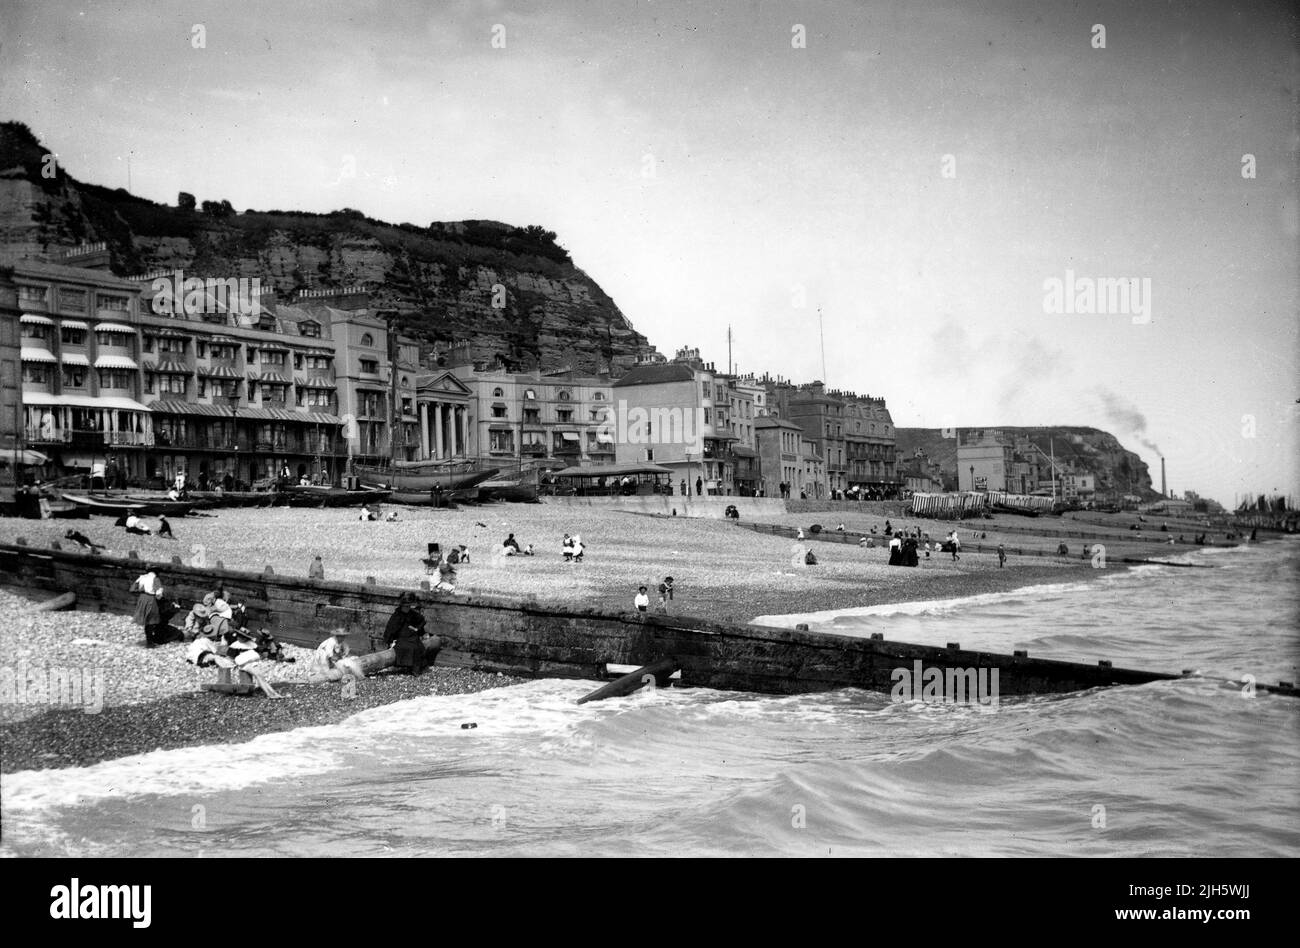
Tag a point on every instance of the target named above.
point(300, 496)
point(120, 507)
point(522, 487)
point(528, 639)
point(424, 476)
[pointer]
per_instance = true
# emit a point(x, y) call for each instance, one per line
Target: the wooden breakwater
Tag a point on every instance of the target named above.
point(529, 639)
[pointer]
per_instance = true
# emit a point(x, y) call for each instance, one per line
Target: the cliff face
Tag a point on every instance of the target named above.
point(1090, 449)
point(504, 291)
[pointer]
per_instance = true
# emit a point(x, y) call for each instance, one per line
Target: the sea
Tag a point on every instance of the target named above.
point(1190, 767)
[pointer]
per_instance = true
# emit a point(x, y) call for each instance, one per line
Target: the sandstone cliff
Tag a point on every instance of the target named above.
point(503, 291)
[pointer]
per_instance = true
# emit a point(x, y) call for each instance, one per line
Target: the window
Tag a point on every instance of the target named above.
point(201, 348)
point(370, 366)
point(297, 361)
point(407, 407)
point(318, 362)
point(36, 373)
point(74, 376)
point(319, 398)
point(406, 382)
point(266, 323)
point(114, 303)
point(565, 416)
point(252, 356)
point(498, 411)
point(114, 378)
point(147, 346)
point(171, 346)
point(33, 296)
point(148, 383)
point(171, 384)
point(309, 328)
point(564, 396)
point(72, 301)
point(529, 393)
point(498, 393)
point(118, 339)
point(203, 387)
point(650, 456)
point(501, 441)
point(598, 396)
point(72, 337)
point(368, 340)
point(225, 388)
point(39, 333)
point(532, 416)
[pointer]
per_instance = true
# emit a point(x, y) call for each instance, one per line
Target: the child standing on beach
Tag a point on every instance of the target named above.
point(665, 590)
point(641, 601)
point(1002, 555)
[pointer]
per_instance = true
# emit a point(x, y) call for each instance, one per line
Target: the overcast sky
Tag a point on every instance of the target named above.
point(705, 170)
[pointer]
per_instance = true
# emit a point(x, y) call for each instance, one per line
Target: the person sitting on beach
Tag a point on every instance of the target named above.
point(578, 548)
point(164, 528)
point(325, 660)
point(446, 576)
point(840, 528)
point(459, 554)
point(365, 513)
point(195, 621)
point(641, 601)
point(405, 635)
point(799, 535)
point(889, 530)
point(566, 547)
point(220, 627)
point(927, 549)
point(134, 524)
point(528, 550)
point(1062, 550)
point(391, 517)
point(317, 568)
point(511, 544)
point(83, 541)
point(868, 542)
point(201, 652)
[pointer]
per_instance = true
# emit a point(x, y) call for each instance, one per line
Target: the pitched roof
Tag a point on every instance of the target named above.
point(657, 374)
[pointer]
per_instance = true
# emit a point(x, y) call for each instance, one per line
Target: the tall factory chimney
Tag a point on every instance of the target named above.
point(1164, 490)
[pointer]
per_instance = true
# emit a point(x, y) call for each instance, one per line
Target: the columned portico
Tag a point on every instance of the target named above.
point(443, 402)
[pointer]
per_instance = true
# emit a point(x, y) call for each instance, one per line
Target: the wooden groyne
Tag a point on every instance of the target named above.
point(527, 639)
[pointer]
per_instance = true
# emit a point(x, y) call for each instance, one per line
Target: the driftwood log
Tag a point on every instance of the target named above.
point(360, 666)
point(65, 601)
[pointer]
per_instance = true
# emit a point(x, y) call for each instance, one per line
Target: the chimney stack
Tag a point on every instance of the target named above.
point(1164, 490)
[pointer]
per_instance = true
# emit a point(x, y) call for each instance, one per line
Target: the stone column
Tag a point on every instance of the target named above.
point(424, 429)
point(454, 418)
point(437, 429)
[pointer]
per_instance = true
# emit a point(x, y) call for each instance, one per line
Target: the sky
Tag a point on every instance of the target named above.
point(895, 185)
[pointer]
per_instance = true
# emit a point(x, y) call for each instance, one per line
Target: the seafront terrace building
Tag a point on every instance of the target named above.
point(79, 346)
point(548, 419)
point(779, 444)
point(685, 425)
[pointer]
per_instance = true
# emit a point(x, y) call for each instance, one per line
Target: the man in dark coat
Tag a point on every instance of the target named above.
point(404, 633)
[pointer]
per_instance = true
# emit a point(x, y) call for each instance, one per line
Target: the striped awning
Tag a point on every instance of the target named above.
point(220, 372)
point(177, 407)
point(162, 332)
point(314, 382)
point(73, 358)
point(114, 362)
point(73, 324)
point(35, 354)
point(31, 319)
point(113, 327)
point(274, 378)
point(168, 367)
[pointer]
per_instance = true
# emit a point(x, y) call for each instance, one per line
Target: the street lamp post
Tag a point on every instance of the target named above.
point(972, 477)
point(234, 408)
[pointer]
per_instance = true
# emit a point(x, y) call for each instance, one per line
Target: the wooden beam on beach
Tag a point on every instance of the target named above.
point(657, 672)
point(65, 601)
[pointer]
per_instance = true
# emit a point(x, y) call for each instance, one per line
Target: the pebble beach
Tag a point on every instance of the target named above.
point(150, 698)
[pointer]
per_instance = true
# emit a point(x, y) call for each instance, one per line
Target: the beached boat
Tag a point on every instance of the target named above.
point(416, 476)
point(519, 488)
point(332, 496)
point(120, 507)
point(525, 638)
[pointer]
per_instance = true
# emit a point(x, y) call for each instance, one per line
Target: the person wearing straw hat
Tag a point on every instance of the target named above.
point(325, 662)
